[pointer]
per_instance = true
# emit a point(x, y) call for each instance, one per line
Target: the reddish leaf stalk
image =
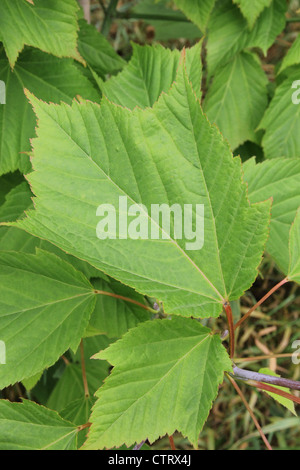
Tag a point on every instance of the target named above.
point(171, 440)
point(258, 427)
point(83, 426)
point(229, 316)
point(126, 299)
point(281, 283)
point(269, 388)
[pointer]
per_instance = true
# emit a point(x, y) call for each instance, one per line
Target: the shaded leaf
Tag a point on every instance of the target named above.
point(229, 33)
point(252, 10)
point(237, 99)
point(70, 385)
point(97, 51)
point(113, 316)
point(78, 412)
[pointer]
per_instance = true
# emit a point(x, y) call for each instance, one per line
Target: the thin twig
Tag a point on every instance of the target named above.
point(269, 379)
point(281, 283)
point(258, 427)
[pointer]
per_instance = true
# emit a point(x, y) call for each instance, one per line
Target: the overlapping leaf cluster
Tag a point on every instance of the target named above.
point(86, 128)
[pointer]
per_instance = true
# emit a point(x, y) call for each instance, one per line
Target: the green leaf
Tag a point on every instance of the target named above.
point(114, 315)
point(237, 99)
point(197, 11)
point(45, 76)
point(181, 157)
point(282, 400)
point(294, 246)
point(97, 51)
point(229, 33)
point(293, 55)
point(13, 239)
point(28, 426)
point(50, 26)
point(165, 378)
point(151, 71)
point(251, 10)
point(45, 307)
point(279, 179)
point(282, 122)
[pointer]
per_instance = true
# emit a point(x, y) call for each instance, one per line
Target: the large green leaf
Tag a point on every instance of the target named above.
point(165, 377)
point(168, 154)
point(251, 10)
point(237, 99)
point(151, 71)
point(229, 32)
point(198, 11)
point(279, 179)
point(282, 122)
point(49, 25)
point(28, 426)
point(294, 246)
point(45, 306)
point(45, 76)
